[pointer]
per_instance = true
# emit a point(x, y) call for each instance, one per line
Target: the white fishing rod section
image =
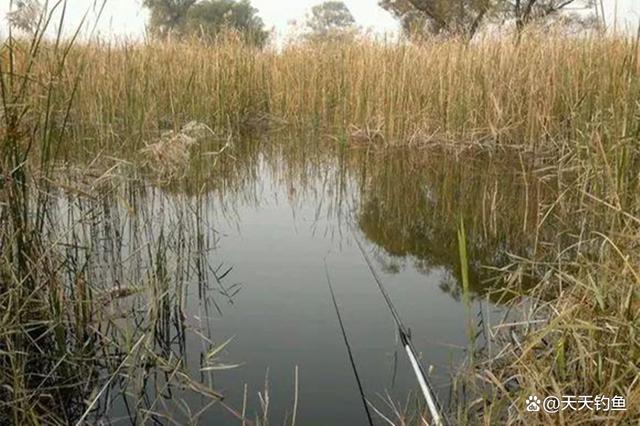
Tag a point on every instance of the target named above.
point(433, 405)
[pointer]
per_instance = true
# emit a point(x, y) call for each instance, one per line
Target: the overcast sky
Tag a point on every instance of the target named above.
point(127, 17)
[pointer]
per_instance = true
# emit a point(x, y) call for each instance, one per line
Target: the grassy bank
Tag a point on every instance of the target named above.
point(88, 320)
point(571, 104)
point(544, 90)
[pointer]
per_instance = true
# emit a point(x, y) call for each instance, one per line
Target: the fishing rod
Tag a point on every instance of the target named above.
point(348, 346)
point(434, 406)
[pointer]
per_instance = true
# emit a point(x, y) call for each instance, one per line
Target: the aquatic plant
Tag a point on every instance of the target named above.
point(567, 105)
point(63, 349)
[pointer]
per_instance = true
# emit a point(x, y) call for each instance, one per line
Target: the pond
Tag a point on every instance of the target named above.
point(235, 254)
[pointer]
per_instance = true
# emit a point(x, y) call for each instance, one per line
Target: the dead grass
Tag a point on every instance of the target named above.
point(571, 102)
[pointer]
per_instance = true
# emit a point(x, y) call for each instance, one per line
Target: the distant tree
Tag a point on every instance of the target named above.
point(206, 18)
point(526, 11)
point(168, 16)
point(448, 17)
point(464, 17)
point(330, 20)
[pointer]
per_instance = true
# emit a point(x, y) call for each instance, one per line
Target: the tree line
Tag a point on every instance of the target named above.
point(331, 20)
point(420, 18)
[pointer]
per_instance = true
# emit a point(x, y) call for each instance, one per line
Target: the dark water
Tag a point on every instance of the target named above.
point(275, 215)
point(283, 317)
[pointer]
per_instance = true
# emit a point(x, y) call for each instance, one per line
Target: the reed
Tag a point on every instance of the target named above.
point(568, 104)
point(538, 93)
point(64, 350)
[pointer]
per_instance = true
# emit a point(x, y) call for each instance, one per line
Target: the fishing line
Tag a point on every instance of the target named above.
point(427, 390)
point(346, 343)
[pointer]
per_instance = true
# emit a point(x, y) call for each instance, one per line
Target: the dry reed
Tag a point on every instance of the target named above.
point(572, 102)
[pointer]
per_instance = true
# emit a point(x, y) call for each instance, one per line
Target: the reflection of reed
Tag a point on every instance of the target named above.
point(136, 284)
point(143, 249)
point(411, 207)
point(406, 202)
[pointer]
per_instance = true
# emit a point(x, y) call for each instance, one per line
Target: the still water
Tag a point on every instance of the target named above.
point(246, 244)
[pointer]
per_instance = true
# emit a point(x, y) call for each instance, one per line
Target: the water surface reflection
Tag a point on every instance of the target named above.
point(282, 211)
point(274, 212)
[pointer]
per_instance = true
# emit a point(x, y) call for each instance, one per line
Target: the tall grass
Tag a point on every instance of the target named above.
point(572, 103)
point(40, 348)
point(536, 93)
point(66, 270)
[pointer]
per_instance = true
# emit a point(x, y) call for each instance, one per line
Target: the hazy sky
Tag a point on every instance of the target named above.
point(127, 17)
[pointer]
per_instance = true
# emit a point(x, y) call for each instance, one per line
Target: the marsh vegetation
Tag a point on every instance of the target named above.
point(148, 192)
